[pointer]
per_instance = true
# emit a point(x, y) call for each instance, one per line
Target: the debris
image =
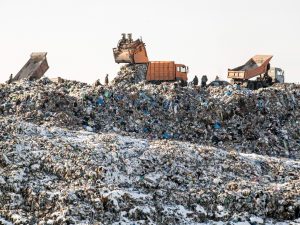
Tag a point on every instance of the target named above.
point(265, 121)
point(69, 176)
point(148, 154)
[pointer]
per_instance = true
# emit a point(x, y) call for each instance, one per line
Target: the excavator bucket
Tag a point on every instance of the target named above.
point(129, 51)
point(35, 68)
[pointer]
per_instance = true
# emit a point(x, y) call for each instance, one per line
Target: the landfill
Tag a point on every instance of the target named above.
point(265, 121)
point(134, 152)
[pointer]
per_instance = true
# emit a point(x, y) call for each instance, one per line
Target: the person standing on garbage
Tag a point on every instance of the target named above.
point(106, 79)
point(97, 83)
point(195, 80)
point(203, 81)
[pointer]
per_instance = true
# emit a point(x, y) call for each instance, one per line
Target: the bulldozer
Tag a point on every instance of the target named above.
point(134, 52)
point(257, 67)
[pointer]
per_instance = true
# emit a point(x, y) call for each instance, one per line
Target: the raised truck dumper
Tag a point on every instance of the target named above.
point(257, 67)
point(134, 52)
point(35, 67)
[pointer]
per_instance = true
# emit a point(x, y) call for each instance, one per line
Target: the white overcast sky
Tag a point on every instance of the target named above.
point(208, 36)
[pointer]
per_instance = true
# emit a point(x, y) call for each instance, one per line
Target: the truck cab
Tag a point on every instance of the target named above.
point(181, 72)
point(277, 74)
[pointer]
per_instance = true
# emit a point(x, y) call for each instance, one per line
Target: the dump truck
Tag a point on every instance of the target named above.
point(134, 52)
point(35, 67)
point(256, 73)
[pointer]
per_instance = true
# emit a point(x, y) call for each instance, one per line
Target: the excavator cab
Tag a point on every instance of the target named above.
point(129, 51)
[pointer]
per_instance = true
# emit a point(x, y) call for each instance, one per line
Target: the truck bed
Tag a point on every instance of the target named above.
point(161, 70)
point(255, 66)
point(35, 67)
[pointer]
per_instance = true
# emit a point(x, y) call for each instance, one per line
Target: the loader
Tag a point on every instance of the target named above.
point(135, 53)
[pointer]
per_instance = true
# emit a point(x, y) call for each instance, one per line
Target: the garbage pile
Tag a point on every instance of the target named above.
point(265, 121)
point(52, 175)
point(131, 74)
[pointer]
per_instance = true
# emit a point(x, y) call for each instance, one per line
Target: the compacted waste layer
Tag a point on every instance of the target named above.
point(138, 153)
point(265, 121)
point(52, 175)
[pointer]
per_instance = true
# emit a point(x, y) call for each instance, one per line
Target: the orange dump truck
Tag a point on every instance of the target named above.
point(257, 67)
point(166, 71)
point(134, 52)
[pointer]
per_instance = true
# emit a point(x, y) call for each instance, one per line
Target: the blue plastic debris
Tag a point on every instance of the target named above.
point(166, 135)
point(100, 101)
point(228, 93)
point(217, 125)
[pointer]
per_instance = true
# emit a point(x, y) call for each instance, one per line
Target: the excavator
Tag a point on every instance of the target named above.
point(134, 52)
point(257, 67)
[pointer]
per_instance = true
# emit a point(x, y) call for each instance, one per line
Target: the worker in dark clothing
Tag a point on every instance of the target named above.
point(97, 83)
point(106, 79)
point(203, 81)
point(195, 81)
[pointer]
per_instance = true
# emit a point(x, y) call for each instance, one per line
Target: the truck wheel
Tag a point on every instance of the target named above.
point(259, 85)
point(250, 85)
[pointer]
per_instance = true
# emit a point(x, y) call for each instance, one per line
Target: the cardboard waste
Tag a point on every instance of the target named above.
point(139, 153)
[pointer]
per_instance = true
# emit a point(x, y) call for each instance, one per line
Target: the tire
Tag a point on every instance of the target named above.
point(251, 85)
point(259, 85)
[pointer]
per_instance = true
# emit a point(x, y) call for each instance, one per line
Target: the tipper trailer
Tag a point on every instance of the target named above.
point(257, 67)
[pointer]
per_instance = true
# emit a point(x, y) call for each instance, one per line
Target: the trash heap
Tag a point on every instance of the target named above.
point(265, 121)
point(53, 175)
point(131, 74)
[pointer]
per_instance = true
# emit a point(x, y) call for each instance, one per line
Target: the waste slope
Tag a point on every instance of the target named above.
point(51, 175)
point(264, 122)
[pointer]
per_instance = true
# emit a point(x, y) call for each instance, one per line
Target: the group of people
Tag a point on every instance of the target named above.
point(203, 81)
point(106, 81)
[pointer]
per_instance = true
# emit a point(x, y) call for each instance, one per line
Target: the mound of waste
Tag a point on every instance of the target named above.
point(265, 121)
point(131, 74)
point(52, 175)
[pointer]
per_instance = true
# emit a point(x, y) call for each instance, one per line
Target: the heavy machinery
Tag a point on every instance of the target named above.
point(134, 52)
point(257, 67)
point(35, 67)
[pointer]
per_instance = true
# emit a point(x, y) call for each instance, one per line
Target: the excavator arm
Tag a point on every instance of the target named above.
point(129, 51)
